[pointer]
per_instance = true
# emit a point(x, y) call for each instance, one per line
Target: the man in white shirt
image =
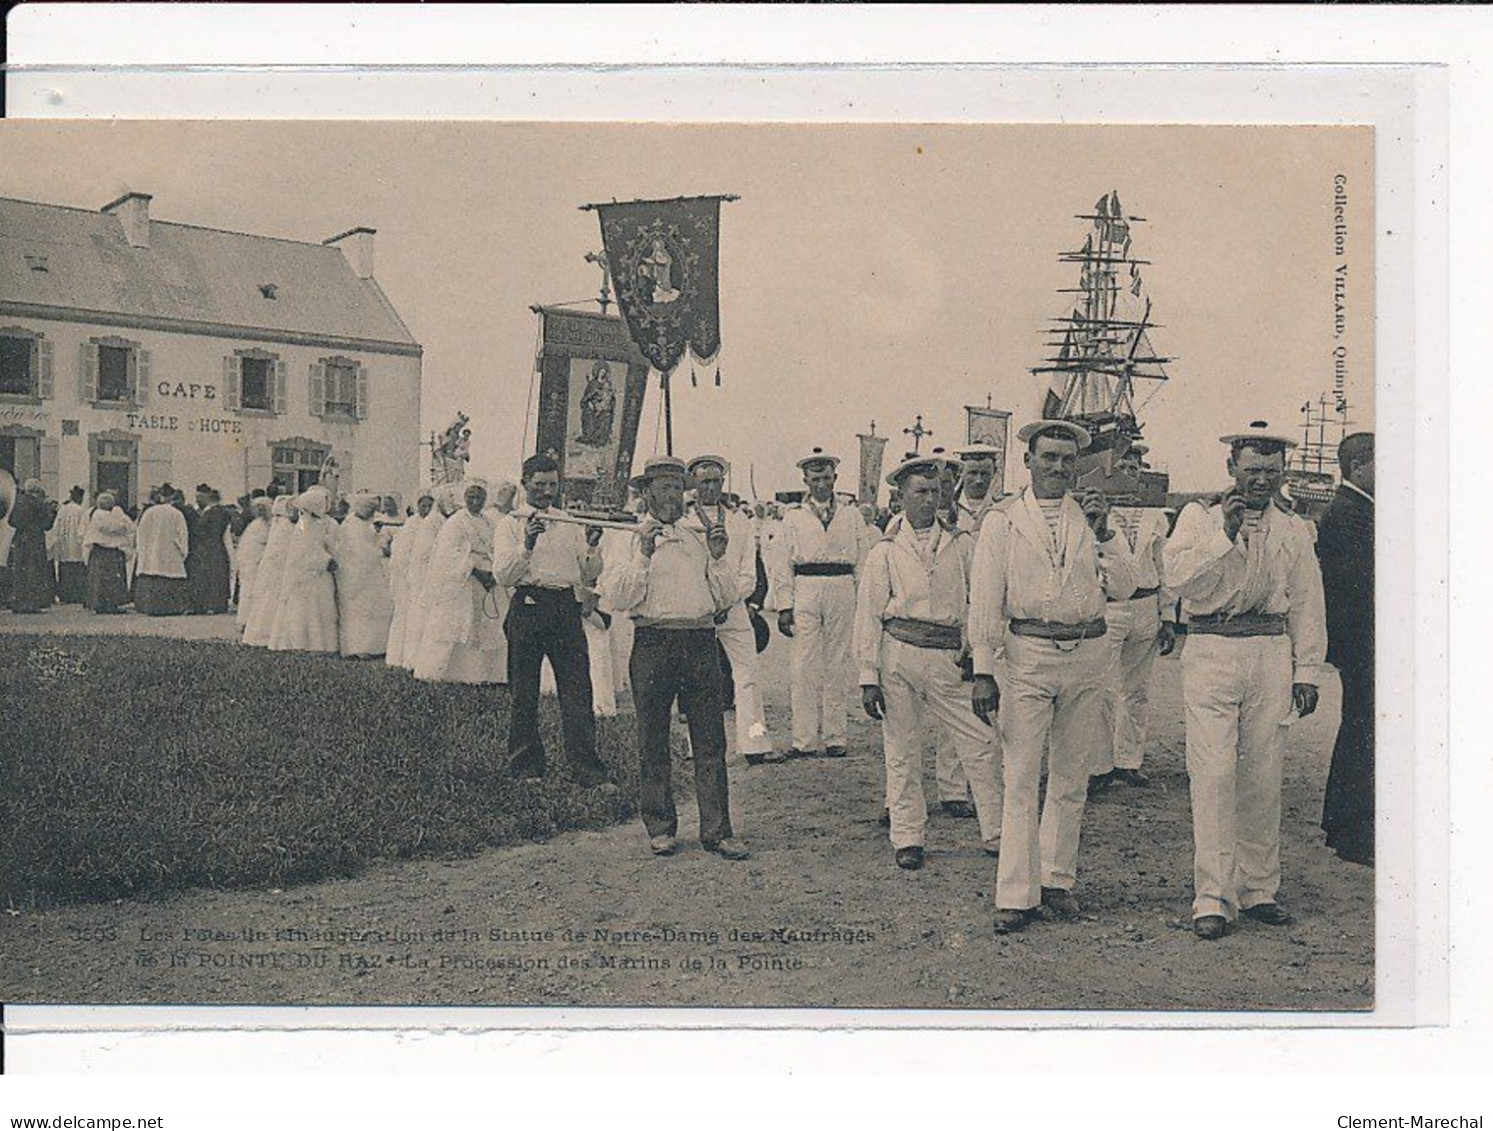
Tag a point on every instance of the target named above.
point(674, 581)
point(1140, 628)
point(820, 547)
point(708, 474)
point(1043, 566)
point(911, 605)
point(545, 563)
point(1251, 594)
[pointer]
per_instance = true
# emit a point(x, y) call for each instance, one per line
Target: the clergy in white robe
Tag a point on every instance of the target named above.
point(401, 541)
point(307, 620)
point(364, 608)
point(161, 565)
point(421, 548)
point(461, 638)
point(265, 598)
point(66, 538)
point(250, 553)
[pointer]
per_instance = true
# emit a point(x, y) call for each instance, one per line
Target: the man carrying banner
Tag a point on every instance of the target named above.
point(1042, 568)
point(1251, 590)
point(910, 645)
point(1140, 628)
point(673, 581)
point(708, 473)
point(547, 564)
point(821, 546)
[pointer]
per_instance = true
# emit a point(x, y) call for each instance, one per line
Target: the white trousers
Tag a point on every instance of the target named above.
point(1132, 639)
point(1053, 690)
point(740, 644)
point(921, 686)
point(599, 653)
point(1237, 693)
point(621, 634)
point(823, 618)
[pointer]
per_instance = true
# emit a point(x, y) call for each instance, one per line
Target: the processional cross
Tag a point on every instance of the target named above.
point(917, 432)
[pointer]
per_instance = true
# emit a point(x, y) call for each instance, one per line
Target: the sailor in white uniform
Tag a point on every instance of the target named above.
point(1042, 569)
point(1251, 591)
point(1140, 629)
point(819, 549)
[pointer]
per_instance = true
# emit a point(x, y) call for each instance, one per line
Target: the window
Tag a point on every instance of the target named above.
point(17, 376)
point(257, 389)
point(25, 364)
point(114, 374)
point(297, 464)
point(339, 389)
point(254, 381)
point(342, 390)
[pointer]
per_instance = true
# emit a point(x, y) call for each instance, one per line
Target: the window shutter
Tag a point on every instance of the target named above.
point(257, 467)
point(88, 372)
point(280, 405)
point(318, 399)
point(50, 467)
point(233, 368)
point(43, 368)
point(362, 393)
point(140, 363)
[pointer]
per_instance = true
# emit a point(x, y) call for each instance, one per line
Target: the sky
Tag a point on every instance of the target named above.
point(868, 272)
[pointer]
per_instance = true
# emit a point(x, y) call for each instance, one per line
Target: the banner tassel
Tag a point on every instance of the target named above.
point(693, 383)
point(717, 376)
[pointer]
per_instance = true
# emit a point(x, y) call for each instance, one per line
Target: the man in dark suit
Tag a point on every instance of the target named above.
point(1345, 547)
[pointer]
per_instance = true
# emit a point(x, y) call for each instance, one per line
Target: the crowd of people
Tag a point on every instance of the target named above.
point(1015, 630)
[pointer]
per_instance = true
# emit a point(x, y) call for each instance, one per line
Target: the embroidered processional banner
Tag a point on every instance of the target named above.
point(873, 449)
point(990, 426)
point(664, 258)
point(591, 385)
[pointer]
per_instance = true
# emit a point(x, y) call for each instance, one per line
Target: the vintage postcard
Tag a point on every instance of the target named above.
point(873, 566)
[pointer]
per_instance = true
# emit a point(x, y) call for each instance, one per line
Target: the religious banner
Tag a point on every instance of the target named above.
point(990, 426)
point(664, 257)
point(591, 385)
point(873, 447)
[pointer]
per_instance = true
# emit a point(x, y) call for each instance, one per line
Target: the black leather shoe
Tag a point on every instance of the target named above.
point(835, 752)
point(958, 809)
point(1098, 783)
point(910, 857)
point(1271, 914)
point(1008, 922)
point(1210, 927)
point(525, 773)
point(1133, 778)
point(794, 752)
point(755, 759)
point(1060, 902)
point(727, 849)
point(885, 820)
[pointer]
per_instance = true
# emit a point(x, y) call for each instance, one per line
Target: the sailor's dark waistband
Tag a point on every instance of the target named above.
point(1056, 630)
point(1240, 624)
point(1152, 591)
point(823, 569)
point(674, 630)
point(924, 633)
point(545, 593)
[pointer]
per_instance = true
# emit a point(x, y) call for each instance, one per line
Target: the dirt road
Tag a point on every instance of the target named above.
point(818, 916)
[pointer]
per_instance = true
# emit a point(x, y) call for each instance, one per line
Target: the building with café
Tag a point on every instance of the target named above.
point(135, 351)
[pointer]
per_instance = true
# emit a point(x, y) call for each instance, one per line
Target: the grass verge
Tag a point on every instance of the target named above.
point(135, 766)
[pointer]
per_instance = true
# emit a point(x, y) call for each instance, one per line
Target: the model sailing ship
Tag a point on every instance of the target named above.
point(1103, 348)
point(1312, 477)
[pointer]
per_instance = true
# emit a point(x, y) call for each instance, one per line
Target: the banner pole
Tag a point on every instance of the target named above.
point(668, 414)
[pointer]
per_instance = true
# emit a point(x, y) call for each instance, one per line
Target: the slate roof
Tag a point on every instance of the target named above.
point(190, 274)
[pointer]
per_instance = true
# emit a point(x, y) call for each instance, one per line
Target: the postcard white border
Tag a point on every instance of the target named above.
point(1412, 129)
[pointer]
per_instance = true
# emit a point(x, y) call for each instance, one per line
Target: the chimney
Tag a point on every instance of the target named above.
point(357, 245)
point(133, 210)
